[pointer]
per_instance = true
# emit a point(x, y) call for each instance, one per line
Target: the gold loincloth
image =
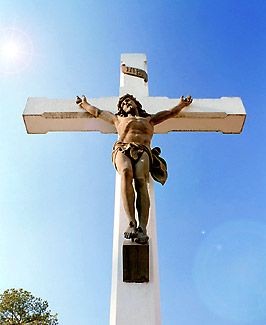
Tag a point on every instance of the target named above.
point(133, 150)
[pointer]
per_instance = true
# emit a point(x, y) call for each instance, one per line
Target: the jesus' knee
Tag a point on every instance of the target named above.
point(126, 174)
point(140, 182)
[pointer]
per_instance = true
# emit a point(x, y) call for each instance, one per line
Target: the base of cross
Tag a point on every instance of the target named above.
point(135, 262)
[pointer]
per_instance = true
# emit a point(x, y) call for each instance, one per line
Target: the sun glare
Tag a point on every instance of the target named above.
point(10, 51)
point(16, 50)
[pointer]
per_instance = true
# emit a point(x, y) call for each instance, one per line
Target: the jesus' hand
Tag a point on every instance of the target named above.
point(186, 101)
point(80, 101)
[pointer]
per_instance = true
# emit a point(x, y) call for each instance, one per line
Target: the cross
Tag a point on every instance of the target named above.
point(134, 303)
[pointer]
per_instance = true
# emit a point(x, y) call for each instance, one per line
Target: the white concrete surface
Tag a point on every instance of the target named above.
point(226, 114)
point(130, 84)
point(134, 303)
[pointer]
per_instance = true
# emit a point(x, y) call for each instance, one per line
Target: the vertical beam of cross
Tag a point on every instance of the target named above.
point(134, 303)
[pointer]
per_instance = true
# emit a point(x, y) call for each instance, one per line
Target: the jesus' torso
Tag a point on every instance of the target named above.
point(134, 129)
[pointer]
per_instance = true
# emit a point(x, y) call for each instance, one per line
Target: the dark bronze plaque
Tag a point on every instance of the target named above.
point(135, 262)
point(134, 72)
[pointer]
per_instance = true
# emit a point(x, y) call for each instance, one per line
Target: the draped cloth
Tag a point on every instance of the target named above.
point(133, 150)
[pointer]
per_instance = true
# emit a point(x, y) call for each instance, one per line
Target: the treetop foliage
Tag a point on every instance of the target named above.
point(21, 307)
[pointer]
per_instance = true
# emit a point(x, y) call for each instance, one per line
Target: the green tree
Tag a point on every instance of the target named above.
point(21, 307)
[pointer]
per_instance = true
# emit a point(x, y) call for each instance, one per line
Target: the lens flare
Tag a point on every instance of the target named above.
point(229, 271)
point(16, 50)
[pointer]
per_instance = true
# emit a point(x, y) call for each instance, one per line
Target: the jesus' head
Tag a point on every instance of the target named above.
point(128, 104)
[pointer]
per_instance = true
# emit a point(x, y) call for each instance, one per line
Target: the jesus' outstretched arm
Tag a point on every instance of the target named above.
point(165, 115)
point(96, 112)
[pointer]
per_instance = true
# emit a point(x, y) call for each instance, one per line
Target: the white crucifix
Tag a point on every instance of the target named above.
point(133, 302)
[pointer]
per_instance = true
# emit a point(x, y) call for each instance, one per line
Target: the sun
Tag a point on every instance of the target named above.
point(16, 50)
point(10, 50)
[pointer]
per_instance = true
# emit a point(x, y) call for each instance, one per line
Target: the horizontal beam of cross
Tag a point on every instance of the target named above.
point(226, 114)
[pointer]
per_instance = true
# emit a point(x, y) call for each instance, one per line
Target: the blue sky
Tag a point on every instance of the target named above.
point(55, 230)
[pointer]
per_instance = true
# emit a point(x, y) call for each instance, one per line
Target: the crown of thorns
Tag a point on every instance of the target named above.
point(121, 112)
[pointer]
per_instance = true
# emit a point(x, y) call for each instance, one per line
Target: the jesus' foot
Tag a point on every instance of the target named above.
point(131, 232)
point(142, 237)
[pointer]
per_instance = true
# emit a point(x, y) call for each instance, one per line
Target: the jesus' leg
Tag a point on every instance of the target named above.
point(141, 177)
point(124, 168)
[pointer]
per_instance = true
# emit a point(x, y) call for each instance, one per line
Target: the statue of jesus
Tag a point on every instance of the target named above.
point(133, 157)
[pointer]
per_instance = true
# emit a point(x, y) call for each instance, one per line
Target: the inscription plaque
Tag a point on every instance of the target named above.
point(134, 72)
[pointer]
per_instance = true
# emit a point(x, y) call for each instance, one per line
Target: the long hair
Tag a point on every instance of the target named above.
point(121, 112)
